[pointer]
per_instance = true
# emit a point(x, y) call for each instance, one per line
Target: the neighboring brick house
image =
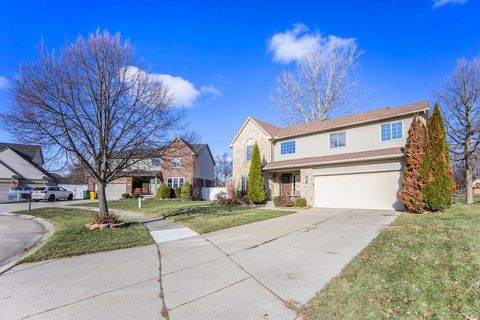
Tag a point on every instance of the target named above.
point(174, 164)
point(476, 186)
point(22, 165)
point(354, 161)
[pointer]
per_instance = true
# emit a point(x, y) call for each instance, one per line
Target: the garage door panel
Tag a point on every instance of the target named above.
point(373, 190)
point(114, 191)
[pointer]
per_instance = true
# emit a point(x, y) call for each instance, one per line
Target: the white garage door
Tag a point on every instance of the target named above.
point(372, 190)
point(114, 190)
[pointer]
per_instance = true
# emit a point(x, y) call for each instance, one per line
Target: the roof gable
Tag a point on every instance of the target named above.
point(27, 151)
point(268, 129)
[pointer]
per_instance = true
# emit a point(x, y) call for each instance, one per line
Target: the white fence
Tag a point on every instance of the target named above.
point(8, 197)
point(210, 193)
point(76, 188)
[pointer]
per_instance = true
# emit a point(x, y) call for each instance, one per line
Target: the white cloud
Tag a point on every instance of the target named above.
point(183, 91)
point(440, 3)
point(4, 82)
point(295, 44)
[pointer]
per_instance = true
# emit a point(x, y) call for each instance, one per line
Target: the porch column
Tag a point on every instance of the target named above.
point(156, 183)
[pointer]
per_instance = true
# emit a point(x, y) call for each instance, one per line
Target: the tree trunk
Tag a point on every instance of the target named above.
point(102, 199)
point(469, 181)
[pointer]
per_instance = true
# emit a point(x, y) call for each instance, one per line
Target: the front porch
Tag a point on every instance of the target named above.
point(145, 182)
point(286, 184)
point(292, 184)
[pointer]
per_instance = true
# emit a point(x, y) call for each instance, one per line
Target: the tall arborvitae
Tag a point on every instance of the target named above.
point(411, 193)
point(256, 184)
point(438, 172)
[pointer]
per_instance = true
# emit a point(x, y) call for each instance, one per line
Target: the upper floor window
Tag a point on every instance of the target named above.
point(176, 163)
point(391, 131)
point(249, 152)
point(156, 162)
point(338, 139)
point(287, 147)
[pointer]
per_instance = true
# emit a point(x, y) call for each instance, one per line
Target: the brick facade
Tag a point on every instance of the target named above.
point(250, 134)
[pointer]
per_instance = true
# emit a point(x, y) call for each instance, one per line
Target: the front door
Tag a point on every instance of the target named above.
point(286, 183)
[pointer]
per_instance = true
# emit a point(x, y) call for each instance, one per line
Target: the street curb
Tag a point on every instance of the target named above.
point(49, 232)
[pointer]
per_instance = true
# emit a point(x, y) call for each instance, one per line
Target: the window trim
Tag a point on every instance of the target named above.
point(242, 185)
point(390, 123)
point(173, 163)
point(337, 132)
point(246, 152)
point(286, 154)
point(178, 180)
point(155, 159)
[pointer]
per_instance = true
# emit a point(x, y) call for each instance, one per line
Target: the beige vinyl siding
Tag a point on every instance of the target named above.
point(204, 168)
point(19, 164)
point(359, 138)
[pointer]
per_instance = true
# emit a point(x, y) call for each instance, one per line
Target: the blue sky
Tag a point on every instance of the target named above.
point(219, 50)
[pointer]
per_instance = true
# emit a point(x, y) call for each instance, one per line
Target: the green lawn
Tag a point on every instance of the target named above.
point(71, 238)
point(421, 266)
point(201, 216)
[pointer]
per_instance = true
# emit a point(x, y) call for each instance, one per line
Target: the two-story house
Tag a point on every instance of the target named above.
point(174, 164)
point(355, 161)
point(22, 165)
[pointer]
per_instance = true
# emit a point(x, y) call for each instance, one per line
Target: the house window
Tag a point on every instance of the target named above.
point(156, 162)
point(338, 139)
point(287, 147)
point(391, 131)
point(176, 163)
point(249, 152)
point(175, 182)
point(244, 184)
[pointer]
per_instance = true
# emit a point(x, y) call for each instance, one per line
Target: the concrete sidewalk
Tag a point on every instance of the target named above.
point(120, 284)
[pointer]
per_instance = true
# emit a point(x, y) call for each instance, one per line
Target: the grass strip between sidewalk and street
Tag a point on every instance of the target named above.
point(421, 266)
point(71, 238)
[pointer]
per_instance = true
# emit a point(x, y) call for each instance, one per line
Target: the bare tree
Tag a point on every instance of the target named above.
point(460, 97)
point(322, 85)
point(223, 169)
point(93, 103)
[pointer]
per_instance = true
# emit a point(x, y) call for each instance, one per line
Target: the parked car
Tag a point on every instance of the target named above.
point(18, 192)
point(51, 193)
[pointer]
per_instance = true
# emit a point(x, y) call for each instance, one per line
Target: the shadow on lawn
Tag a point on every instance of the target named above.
point(212, 210)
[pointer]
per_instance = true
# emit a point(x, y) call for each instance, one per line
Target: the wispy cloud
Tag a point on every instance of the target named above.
point(441, 3)
point(214, 91)
point(4, 82)
point(295, 44)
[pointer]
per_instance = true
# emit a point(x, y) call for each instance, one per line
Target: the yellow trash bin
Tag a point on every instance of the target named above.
point(93, 195)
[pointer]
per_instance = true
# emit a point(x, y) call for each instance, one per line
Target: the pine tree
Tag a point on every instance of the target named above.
point(437, 170)
point(413, 184)
point(256, 184)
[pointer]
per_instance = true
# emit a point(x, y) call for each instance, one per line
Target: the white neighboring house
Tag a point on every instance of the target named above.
point(354, 161)
point(22, 165)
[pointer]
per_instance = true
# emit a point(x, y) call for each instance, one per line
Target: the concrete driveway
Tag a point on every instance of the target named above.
point(264, 270)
